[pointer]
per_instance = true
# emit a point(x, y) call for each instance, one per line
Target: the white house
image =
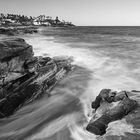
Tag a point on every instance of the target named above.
point(47, 23)
point(36, 22)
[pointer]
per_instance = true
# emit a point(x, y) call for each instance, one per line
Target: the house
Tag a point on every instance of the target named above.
point(36, 22)
point(46, 23)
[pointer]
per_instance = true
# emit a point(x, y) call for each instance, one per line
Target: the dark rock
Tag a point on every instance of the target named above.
point(96, 103)
point(99, 126)
point(123, 107)
point(27, 30)
point(29, 87)
point(13, 47)
point(105, 95)
point(20, 30)
point(13, 53)
point(120, 96)
point(24, 78)
point(8, 31)
point(135, 91)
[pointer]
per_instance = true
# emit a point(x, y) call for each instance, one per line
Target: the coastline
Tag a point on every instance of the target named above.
point(40, 108)
point(16, 84)
point(29, 84)
point(18, 65)
point(128, 127)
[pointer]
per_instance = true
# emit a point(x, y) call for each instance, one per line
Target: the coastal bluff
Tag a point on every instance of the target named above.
point(24, 77)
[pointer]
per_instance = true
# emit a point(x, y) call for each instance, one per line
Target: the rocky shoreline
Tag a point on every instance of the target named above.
point(11, 31)
point(24, 77)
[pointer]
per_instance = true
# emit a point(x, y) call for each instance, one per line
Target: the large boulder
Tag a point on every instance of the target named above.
point(25, 78)
point(13, 54)
point(104, 95)
point(122, 107)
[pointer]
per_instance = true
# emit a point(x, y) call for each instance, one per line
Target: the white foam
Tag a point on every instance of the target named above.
point(82, 56)
point(119, 128)
point(107, 73)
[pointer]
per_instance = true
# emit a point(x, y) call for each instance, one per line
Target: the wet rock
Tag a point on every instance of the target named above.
point(13, 47)
point(95, 105)
point(123, 106)
point(121, 95)
point(25, 78)
point(11, 31)
point(8, 31)
point(135, 91)
point(105, 95)
point(27, 29)
point(13, 53)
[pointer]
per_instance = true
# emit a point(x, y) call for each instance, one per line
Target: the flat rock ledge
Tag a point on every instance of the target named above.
point(25, 78)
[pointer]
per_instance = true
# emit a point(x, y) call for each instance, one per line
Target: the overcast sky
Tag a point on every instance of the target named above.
point(80, 12)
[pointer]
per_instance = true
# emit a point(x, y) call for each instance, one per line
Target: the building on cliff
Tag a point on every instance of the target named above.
point(42, 20)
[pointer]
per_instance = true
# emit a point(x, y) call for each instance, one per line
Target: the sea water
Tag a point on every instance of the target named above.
point(106, 57)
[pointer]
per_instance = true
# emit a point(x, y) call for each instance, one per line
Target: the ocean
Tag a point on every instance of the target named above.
point(106, 57)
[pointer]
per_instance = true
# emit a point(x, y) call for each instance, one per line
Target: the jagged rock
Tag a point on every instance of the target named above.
point(13, 53)
point(123, 107)
point(135, 91)
point(95, 105)
point(25, 78)
point(104, 95)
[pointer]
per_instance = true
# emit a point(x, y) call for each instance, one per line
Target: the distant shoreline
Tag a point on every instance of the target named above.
point(22, 20)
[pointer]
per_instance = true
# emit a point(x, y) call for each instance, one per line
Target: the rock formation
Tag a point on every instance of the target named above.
point(123, 106)
point(23, 77)
point(11, 31)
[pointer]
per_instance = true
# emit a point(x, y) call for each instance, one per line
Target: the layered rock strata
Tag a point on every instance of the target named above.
point(23, 77)
point(11, 31)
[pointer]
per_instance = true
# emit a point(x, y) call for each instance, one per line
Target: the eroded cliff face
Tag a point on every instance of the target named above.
point(23, 77)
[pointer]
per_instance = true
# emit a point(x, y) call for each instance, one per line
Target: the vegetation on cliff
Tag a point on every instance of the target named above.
point(42, 20)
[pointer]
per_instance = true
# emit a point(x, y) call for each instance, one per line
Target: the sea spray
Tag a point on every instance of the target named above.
point(97, 64)
point(106, 71)
point(34, 117)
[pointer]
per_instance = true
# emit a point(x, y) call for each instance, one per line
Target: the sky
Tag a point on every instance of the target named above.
point(79, 12)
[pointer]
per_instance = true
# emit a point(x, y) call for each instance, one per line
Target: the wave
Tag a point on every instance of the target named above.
point(67, 112)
